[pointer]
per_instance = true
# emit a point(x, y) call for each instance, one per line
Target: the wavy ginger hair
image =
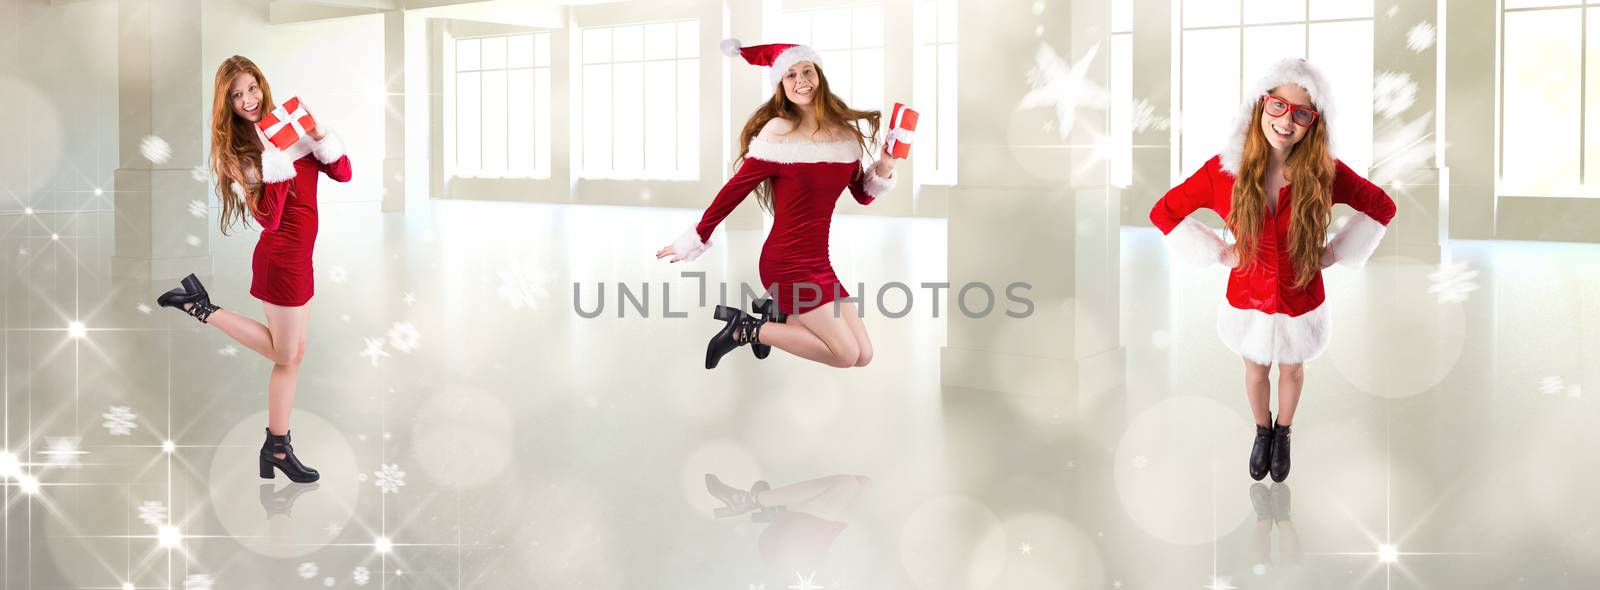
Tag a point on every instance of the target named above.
point(1309, 170)
point(832, 114)
point(235, 148)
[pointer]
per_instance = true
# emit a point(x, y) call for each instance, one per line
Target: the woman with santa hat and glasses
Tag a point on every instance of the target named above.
point(799, 152)
point(1275, 185)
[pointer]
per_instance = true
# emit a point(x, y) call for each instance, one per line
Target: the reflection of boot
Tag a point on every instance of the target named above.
point(1280, 502)
point(736, 501)
point(281, 502)
point(1261, 500)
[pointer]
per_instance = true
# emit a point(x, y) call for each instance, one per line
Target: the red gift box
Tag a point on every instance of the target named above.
point(902, 122)
point(286, 124)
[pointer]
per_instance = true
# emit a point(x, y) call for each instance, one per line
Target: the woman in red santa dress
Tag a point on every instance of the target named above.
point(799, 152)
point(278, 188)
point(1275, 185)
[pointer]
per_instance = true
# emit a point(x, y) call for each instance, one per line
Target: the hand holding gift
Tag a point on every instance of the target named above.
point(286, 124)
point(902, 125)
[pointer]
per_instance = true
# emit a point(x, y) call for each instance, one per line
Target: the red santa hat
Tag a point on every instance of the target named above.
point(1292, 70)
point(778, 56)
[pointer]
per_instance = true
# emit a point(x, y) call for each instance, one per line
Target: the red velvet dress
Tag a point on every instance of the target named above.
point(807, 180)
point(281, 267)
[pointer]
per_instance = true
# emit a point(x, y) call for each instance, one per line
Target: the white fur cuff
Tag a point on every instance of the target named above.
point(1355, 242)
point(276, 166)
point(1195, 243)
point(876, 186)
point(688, 246)
point(330, 149)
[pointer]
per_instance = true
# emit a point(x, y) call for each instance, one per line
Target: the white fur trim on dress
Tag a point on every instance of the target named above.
point(1353, 244)
point(1195, 243)
point(688, 246)
point(276, 165)
point(801, 152)
point(1267, 339)
point(330, 149)
point(788, 58)
point(876, 186)
point(1287, 71)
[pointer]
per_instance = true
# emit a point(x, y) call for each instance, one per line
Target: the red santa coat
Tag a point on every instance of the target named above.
point(1265, 318)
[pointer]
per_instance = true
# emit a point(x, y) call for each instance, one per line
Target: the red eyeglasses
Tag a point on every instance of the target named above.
point(1276, 106)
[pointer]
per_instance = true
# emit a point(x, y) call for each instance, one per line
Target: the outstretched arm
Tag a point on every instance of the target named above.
point(697, 239)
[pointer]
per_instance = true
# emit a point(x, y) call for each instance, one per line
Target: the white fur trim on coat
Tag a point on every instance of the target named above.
point(1267, 339)
point(1195, 243)
point(876, 186)
point(688, 246)
point(276, 165)
point(801, 152)
point(1287, 71)
point(330, 149)
point(1353, 244)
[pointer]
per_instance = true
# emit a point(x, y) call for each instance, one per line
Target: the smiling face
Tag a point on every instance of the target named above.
point(1281, 131)
point(245, 96)
point(800, 83)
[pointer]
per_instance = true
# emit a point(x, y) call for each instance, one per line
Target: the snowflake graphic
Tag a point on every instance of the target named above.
point(1141, 462)
point(63, 451)
point(198, 208)
point(307, 570)
point(1551, 385)
point(389, 479)
point(198, 582)
point(119, 420)
point(1145, 119)
point(200, 173)
point(805, 582)
point(404, 337)
point(1420, 37)
point(338, 275)
point(374, 350)
point(329, 582)
point(155, 149)
point(229, 350)
point(522, 286)
point(153, 513)
point(1025, 549)
point(1393, 93)
point(361, 576)
point(1063, 85)
point(192, 240)
point(408, 298)
point(1452, 282)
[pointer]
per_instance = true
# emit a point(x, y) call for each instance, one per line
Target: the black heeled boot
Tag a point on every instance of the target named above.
point(1261, 451)
point(741, 329)
point(1280, 452)
point(193, 294)
point(736, 501)
point(766, 310)
point(281, 502)
point(290, 465)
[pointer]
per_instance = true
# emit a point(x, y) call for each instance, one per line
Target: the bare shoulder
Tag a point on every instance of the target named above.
point(775, 128)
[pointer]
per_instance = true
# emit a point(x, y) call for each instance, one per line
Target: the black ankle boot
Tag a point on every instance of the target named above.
point(281, 501)
point(767, 310)
point(1261, 451)
point(1280, 452)
point(290, 465)
point(193, 294)
point(741, 329)
point(736, 501)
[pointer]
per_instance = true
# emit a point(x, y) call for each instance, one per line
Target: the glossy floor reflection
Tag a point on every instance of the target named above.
point(474, 431)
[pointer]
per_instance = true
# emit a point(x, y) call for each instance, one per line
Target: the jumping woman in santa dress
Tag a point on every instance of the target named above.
point(278, 188)
point(1275, 184)
point(799, 152)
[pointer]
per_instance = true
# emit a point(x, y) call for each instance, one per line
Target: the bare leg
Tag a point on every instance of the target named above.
point(288, 328)
point(825, 497)
point(816, 335)
point(245, 331)
point(1258, 387)
point(858, 329)
point(1291, 379)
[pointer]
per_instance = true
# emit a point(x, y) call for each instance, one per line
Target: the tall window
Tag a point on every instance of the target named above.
point(1228, 44)
point(1550, 102)
point(501, 104)
point(935, 92)
point(641, 101)
point(850, 43)
point(1121, 132)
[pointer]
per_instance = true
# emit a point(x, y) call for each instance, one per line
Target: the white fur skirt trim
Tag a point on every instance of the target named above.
point(1267, 339)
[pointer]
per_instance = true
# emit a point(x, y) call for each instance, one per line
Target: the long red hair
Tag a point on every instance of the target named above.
point(832, 114)
point(234, 145)
point(1309, 170)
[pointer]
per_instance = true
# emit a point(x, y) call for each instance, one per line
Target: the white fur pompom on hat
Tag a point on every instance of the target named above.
point(1292, 70)
point(730, 47)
